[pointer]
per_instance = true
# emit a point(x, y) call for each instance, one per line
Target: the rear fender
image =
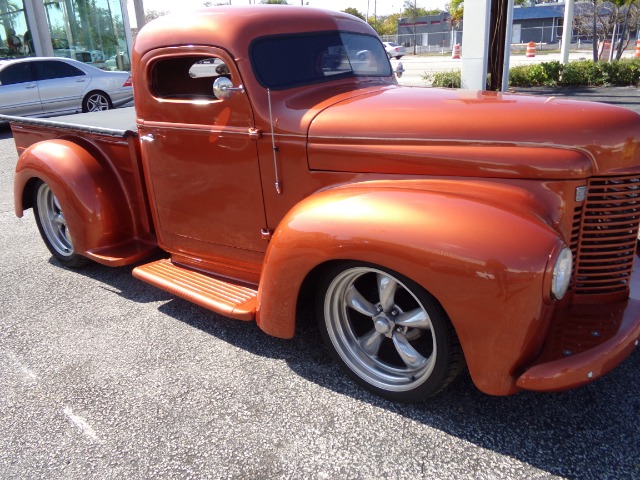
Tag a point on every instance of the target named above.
point(91, 197)
point(488, 267)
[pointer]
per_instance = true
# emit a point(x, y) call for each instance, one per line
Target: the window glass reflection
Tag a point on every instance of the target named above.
point(15, 39)
point(91, 31)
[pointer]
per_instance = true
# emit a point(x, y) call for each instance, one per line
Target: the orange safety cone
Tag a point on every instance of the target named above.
point(456, 51)
point(531, 49)
point(637, 55)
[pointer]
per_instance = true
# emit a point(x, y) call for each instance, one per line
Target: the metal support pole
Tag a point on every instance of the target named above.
point(567, 30)
point(475, 44)
point(507, 47)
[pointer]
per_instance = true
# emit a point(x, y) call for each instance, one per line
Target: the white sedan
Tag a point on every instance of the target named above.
point(394, 50)
point(47, 86)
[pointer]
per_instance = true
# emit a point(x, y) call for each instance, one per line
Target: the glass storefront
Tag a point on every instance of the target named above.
point(14, 32)
point(91, 31)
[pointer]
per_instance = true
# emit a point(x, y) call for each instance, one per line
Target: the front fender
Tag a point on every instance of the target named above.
point(487, 266)
point(93, 201)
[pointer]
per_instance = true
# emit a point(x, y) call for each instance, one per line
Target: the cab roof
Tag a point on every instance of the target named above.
point(234, 27)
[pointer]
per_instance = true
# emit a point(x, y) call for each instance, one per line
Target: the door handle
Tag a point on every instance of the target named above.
point(30, 86)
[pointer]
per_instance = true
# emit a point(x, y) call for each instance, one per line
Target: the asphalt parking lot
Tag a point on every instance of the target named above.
point(105, 377)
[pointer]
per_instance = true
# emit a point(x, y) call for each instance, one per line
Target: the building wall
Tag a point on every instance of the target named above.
point(543, 30)
point(92, 31)
point(434, 30)
point(537, 24)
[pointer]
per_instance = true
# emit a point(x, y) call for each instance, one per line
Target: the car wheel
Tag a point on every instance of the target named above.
point(398, 57)
point(53, 227)
point(387, 332)
point(96, 102)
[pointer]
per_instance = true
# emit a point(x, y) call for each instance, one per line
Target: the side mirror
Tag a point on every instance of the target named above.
point(399, 70)
point(223, 88)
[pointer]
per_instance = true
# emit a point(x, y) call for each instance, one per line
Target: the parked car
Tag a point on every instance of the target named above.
point(118, 62)
point(394, 50)
point(46, 86)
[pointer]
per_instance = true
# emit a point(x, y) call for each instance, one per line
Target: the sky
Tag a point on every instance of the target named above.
point(382, 7)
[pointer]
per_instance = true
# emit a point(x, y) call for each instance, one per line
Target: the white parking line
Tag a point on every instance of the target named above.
point(81, 423)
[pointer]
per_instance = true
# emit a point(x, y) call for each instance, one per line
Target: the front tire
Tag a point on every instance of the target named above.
point(96, 102)
point(53, 227)
point(387, 332)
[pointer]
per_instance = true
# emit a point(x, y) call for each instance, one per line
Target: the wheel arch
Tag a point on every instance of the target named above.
point(421, 235)
point(88, 191)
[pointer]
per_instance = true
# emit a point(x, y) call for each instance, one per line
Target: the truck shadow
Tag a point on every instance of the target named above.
point(5, 131)
point(590, 432)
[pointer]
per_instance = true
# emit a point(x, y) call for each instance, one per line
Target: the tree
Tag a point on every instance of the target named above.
point(385, 25)
point(607, 21)
point(411, 10)
point(354, 12)
point(456, 11)
point(153, 14)
point(456, 8)
point(626, 14)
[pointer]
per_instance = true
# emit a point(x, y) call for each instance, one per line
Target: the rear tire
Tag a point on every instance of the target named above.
point(387, 332)
point(53, 227)
point(96, 102)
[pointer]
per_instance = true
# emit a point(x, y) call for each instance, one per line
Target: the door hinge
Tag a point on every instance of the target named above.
point(266, 234)
point(255, 133)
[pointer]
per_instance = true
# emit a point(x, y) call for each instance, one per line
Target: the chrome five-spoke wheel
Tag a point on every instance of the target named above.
point(96, 102)
point(53, 227)
point(387, 332)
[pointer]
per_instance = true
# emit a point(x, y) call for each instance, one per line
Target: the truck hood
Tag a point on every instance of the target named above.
point(407, 130)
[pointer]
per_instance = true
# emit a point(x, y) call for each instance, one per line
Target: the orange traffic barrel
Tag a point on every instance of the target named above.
point(531, 49)
point(456, 51)
point(637, 55)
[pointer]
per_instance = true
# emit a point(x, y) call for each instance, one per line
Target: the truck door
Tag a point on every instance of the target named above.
point(199, 154)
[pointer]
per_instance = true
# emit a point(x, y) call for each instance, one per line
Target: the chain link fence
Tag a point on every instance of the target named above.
point(546, 38)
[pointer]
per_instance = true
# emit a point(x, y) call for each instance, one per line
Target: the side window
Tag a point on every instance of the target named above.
point(187, 78)
point(51, 69)
point(18, 73)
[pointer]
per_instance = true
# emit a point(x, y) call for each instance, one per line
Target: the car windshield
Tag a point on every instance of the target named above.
point(287, 61)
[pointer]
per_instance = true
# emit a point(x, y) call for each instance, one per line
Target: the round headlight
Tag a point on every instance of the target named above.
point(562, 274)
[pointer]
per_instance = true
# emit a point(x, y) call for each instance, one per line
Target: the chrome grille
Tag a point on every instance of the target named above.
point(608, 236)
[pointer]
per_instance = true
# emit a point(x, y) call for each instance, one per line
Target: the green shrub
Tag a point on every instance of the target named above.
point(444, 79)
point(536, 75)
point(623, 72)
point(519, 76)
point(550, 74)
point(583, 73)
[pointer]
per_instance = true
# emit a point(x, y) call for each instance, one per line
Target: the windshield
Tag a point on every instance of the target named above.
point(288, 61)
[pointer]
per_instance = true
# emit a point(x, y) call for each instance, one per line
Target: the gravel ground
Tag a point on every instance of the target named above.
point(103, 376)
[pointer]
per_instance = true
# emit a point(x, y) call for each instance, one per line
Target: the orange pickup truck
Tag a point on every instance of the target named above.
point(275, 160)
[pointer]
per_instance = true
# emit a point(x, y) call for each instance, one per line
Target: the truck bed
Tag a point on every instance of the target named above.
point(109, 122)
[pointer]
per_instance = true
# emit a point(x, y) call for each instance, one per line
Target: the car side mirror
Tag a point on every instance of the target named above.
point(223, 88)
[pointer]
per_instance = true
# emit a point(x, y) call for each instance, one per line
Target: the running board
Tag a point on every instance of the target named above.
point(228, 299)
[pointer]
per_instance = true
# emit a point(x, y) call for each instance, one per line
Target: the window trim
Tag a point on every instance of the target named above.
point(204, 99)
